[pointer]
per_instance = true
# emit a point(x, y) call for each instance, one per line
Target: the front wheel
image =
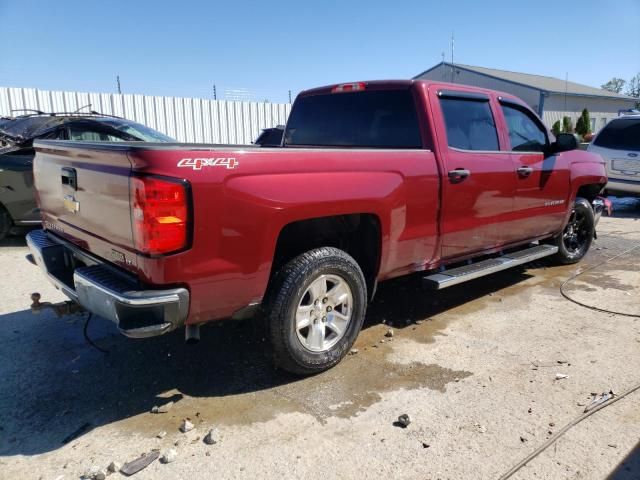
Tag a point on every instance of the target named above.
point(315, 309)
point(574, 242)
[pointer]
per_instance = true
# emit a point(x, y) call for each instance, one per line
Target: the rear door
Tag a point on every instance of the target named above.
point(542, 182)
point(479, 179)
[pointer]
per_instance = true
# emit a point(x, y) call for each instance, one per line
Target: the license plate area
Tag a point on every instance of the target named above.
point(626, 166)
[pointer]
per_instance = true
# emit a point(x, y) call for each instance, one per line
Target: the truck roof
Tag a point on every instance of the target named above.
point(398, 84)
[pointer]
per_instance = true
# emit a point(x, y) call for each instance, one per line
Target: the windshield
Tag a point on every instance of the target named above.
point(623, 134)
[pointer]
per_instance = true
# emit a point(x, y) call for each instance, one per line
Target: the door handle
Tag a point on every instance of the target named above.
point(525, 171)
point(458, 174)
point(69, 177)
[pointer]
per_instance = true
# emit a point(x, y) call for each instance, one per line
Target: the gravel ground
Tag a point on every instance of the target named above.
point(474, 366)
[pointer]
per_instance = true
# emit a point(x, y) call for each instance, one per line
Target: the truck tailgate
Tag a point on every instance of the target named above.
point(83, 194)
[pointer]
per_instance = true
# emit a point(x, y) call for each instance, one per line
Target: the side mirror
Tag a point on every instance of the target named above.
point(564, 142)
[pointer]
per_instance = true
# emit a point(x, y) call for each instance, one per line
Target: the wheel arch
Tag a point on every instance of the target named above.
point(358, 234)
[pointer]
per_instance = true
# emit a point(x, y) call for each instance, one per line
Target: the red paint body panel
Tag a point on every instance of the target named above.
point(238, 213)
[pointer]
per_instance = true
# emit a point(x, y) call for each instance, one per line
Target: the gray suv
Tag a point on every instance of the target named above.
point(619, 144)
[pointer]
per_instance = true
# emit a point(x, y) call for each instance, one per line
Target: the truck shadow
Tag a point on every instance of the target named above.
point(13, 241)
point(629, 468)
point(56, 387)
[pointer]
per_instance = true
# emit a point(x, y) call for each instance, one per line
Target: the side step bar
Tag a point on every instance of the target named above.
point(454, 276)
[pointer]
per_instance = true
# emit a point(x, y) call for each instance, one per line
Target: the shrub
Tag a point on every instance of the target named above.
point(583, 125)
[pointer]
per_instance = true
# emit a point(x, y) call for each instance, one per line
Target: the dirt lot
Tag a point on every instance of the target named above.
point(474, 366)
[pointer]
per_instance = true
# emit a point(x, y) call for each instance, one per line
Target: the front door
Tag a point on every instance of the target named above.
point(479, 180)
point(542, 181)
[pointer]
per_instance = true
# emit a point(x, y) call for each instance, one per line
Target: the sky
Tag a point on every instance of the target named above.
point(183, 48)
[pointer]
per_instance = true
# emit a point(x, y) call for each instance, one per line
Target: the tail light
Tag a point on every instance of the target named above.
point(348, 87)
point(160, 214)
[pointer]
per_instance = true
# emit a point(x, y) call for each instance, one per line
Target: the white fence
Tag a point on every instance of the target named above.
point(185, 119)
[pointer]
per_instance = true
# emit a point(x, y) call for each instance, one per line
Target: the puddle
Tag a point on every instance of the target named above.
point(604, 280)
point(360, 380)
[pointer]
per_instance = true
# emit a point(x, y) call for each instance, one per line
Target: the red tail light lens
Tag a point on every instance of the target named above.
point(160, 215)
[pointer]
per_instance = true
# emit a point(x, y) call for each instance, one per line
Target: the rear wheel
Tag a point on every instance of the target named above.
point(574, 242)
point(315, 309)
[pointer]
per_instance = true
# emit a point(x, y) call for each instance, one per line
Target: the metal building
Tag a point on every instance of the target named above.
point(551, 97)
point(185, 119)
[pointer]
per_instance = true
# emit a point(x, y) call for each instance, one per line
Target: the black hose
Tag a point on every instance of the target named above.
point(591, 307)
point(579, 419)
point(86, 336)
point(564, 429)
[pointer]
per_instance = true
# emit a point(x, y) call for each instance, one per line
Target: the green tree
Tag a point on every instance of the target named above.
point(633, 89)
point(614, 85)
point(580, 125)
point(567, 125)
point(583, 125)
point(556, 128)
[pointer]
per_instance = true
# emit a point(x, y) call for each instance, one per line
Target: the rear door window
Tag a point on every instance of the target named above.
point(470, 124)
point(373, 119)
point(621, 134)
point(525, 133)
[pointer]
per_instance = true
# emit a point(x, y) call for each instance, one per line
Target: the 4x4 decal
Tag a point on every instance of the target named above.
point(198, 163)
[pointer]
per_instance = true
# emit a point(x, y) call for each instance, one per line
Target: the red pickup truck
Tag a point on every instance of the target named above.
point(373, 180)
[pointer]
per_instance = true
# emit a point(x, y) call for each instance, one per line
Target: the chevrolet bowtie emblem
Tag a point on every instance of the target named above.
point(71, 204)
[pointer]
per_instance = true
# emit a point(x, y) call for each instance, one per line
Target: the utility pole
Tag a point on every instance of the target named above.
point(215, 95)
point(118, 82)
point(289, 96)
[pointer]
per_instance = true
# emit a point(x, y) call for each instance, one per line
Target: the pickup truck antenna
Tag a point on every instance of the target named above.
point(88, 105)
point(453, 68)
point(566, 87)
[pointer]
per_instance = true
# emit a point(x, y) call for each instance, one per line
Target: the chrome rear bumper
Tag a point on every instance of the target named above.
point(103, 290)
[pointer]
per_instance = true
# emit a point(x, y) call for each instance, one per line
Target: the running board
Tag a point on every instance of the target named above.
point(454, 276)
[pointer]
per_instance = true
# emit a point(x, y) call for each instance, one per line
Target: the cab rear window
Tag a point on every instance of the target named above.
point(621, 134)
point(373, 119)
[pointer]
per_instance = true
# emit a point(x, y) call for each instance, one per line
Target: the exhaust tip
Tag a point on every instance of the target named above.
point(192, 334)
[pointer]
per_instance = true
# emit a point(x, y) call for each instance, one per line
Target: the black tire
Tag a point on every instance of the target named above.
point(6, 224)
point(575, 240)
point(289, 289)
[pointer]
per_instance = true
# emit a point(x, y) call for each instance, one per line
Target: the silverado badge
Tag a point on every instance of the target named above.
point(71, 204)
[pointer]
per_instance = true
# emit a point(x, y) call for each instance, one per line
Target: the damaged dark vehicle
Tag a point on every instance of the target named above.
point(18, 208)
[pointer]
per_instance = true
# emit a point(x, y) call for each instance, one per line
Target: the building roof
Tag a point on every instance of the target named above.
point(540, 82)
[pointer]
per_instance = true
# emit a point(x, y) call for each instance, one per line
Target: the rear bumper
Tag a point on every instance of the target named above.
point(105, 291)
